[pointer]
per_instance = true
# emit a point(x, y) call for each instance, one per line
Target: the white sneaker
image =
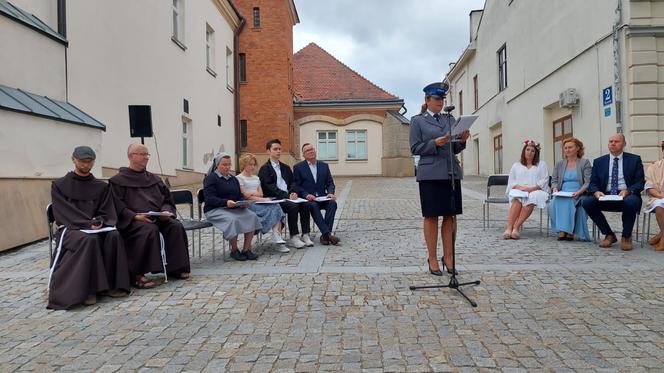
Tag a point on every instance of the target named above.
point(295, 242)
point(281, 249)
point(276, 238)
point(307, 240)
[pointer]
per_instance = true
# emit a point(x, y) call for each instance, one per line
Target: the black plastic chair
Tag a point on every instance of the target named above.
point(200, 197)
point(493, 181)
point(50, 218)
point(181, 197)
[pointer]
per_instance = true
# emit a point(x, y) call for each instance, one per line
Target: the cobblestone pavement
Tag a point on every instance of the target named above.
point(544, 305)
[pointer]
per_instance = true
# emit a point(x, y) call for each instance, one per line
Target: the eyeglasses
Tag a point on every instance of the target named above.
point(142, 154)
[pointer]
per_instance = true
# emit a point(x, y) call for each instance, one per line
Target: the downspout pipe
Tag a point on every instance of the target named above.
point(236, 96)
point(617, 72)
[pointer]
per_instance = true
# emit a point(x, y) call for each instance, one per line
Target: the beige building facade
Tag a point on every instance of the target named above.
point(71, 68)
point(545, 70)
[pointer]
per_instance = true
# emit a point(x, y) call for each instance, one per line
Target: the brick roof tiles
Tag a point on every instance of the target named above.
point(319, 76)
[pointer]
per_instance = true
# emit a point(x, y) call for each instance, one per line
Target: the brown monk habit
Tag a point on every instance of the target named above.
point(140, 191)
point(88, 263)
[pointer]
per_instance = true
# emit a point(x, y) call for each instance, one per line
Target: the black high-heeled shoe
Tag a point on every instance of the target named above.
point(449, 270)
point(437, 272)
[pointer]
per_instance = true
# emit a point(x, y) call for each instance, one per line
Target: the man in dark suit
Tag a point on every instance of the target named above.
point(617, 173)
point(277, 182)
point(313, 181)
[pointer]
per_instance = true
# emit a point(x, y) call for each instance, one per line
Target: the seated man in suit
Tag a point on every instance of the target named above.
point(312, 180)
point(618, 173)
point(277, 182)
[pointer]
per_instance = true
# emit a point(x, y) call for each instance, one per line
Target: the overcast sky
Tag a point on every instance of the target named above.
point(400, 45)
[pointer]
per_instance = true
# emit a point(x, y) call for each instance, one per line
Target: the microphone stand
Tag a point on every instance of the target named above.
point(454, 283)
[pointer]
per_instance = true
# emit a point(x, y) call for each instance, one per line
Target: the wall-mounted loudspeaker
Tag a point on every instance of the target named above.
point(140, 120)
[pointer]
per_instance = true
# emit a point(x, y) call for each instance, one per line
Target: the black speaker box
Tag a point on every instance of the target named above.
point(140, 121)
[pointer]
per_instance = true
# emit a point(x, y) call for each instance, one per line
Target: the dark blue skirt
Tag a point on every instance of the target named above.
point(436, 198)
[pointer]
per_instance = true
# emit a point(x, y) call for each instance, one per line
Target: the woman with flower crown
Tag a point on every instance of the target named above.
point(655, 190)
point(571, 177)
point(527, 187)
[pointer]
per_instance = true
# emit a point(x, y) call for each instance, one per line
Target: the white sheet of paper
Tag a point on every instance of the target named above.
point(269, 202)
point(100, 230)
point(515, 193)
point(323, 199)
point(564, 194)
point(463, 123)
point(610, 198)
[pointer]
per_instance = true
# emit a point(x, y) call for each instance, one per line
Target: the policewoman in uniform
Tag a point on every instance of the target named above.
point(429, 139)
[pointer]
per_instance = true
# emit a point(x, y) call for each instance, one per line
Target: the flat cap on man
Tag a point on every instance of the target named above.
point(437, 89)
point(84, 152)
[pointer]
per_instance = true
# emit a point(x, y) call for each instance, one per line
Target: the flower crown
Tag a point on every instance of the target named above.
point(533, 143)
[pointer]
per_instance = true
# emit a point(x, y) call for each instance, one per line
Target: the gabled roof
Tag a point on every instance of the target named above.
point(17, 14)
point(29, 103)
point(319, 77)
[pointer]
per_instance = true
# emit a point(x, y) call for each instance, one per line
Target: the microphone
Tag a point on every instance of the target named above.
point(448, 109)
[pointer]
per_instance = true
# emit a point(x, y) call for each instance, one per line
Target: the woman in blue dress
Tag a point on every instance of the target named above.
point(572, 177)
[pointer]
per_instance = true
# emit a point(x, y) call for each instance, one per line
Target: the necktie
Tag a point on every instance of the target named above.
point(614, 176)
point(436, 116)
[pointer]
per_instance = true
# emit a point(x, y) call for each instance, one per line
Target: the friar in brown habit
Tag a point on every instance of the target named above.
point(137, 192)
point(85, 264)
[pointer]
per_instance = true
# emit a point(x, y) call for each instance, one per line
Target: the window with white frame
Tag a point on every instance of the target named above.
point(229, 68)
point(327, 145)
point(187, 144)
point(209, 48)
point(178, 21)
point(356, 145)
point(502, 68)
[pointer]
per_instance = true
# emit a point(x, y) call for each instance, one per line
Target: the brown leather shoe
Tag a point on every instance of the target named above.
point(333, 239)
point(655, 239)
point(660, 246)
point(609, 240)
point(626, 244)
point(324, 239)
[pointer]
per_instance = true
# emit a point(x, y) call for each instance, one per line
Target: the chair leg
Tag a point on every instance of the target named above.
point(213, 245)
point(540, 227)
point(223, 248)
point(483, 216)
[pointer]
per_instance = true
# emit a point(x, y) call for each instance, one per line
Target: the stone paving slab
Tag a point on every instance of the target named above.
point(543, 305)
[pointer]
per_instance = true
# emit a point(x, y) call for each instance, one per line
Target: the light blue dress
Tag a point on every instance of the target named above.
point(567, 214)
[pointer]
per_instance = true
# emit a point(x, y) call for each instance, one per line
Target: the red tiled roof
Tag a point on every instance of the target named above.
point(318, 76)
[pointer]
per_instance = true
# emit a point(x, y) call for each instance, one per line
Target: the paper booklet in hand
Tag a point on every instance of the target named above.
point(156, 213)
point(515, 193)
point(243, 203)
point(611, 197)
point(462, 124)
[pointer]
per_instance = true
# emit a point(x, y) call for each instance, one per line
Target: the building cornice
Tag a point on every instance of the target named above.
point(645, 31)
point(339, 122)
point(467, 54)
point(348, 105)
point(228, 11)
point(292, 11)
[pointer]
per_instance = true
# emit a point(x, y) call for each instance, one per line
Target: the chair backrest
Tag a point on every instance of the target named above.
point(200, 196)
point(50, 219)
point(495, 180)
point(184, 196)
point(49, 214)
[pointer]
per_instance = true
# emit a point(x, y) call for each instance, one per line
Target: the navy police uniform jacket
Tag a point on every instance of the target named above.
point(434, 161)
